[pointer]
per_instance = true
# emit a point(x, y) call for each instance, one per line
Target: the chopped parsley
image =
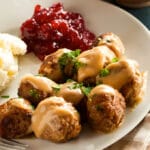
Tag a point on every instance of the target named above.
point(86, 90)
point(108, 41)
point(104, 72)
point(33, 107)
point(40, 75)
point(78, 64)
point(115, 59)
point(34, 93)
point(70, 58)
point(76, 85)
point(5, 96)
point(69, 80)
point(99, 82)
point(76, 52)
point(56, 88)
point(99, 108)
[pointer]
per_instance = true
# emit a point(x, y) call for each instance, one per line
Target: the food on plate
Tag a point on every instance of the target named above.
point(51, 67)
point(35, 88)
point(97, 84)
point(15, 118)
point(56, 120)
point(13, 43)
point(10, 48)
point(125, 76)
point(82, 67)
point(8, 67)
point(82, 79)
point(133, 91)
point(52, 28)
point(112, 41)
point(71, 92)
point(92, 61)
point(105, 108)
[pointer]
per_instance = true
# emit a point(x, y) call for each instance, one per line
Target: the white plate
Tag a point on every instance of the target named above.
point(100, 17)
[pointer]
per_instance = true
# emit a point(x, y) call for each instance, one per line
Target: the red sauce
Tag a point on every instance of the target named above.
point(52, 28)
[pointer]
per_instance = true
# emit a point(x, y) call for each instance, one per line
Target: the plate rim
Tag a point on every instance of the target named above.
point(146, 31)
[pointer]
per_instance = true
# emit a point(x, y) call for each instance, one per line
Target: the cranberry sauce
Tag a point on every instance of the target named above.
point(52, 28)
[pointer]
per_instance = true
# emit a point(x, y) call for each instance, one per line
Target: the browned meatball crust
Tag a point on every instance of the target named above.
point(71, 92)
point(35, 88)
point(126, 77)
point(112, 41)
point(133, 91)
point(51, 67)
point(15, 118)
point(105, 108)
point(56, 120)
point(92, 61)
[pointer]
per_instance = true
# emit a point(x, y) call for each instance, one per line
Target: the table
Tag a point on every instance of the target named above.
point(143, 14)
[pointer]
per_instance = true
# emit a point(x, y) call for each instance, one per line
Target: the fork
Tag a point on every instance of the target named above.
point(9, 144)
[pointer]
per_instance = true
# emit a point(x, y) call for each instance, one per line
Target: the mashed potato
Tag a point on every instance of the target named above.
point(10, 48)
point(13, 43)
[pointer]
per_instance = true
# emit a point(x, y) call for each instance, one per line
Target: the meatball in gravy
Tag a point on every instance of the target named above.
point(35, 88)
point(56, 120)
point(105, 108)
point(112, 41)
point(51, 67)
point(92, 61)
point(125, 76)
point(71, 92)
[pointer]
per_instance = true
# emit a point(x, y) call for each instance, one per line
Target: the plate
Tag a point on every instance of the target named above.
point(100, 17)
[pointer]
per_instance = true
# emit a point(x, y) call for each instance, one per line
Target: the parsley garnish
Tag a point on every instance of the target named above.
point(76, 52)
point(108, 40)
point(104, 72)
point(115, 59)
point(69, 80)
point(76, 85)
point(32, 107)
point(34, 93)
point(5, 96)
point(86, 90)
point(78, 64)
point(40, 75)
point(69, 58)
point(56, 88)
point(99, 108)
point(99, 82)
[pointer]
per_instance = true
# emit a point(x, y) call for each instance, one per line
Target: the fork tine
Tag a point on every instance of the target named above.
point(5, 148)
point(19, 143)
point(13, 142)
point(11, 147)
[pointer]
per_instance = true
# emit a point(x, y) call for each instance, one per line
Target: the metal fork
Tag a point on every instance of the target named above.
point(7, 144)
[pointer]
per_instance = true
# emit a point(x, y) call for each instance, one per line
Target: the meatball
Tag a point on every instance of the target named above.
point(51, 67)
point(56, 120)
point(105, 108)
point(35, 88)
point(15, 118)
point(133, 91)
point(126, 77)
point(71, 92)
point(92, 61)
point(112, 41)
point(117, 74)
